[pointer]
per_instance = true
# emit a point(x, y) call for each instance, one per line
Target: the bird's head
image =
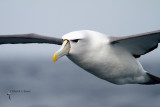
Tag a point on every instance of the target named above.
point(78, 43)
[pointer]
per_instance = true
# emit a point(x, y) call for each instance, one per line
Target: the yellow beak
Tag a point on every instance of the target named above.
point(64, 50)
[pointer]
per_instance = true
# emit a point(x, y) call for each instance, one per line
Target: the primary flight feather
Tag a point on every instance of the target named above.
point(109, 58)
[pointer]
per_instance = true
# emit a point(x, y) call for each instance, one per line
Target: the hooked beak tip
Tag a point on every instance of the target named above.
point(55, 57)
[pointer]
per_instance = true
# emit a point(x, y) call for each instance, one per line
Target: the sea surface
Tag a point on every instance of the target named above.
point(38, 82)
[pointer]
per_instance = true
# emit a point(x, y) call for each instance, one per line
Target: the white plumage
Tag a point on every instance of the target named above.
point(94, 53)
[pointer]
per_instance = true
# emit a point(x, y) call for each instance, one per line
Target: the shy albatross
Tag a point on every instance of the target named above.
point(113, 59)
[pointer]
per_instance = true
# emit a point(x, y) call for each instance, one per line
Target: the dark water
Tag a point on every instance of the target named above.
point(65, 85)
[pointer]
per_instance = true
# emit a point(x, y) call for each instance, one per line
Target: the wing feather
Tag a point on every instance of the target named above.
point(139, 44)
point(28, 38)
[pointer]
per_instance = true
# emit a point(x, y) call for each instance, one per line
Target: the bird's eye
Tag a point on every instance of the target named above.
point(75, 40)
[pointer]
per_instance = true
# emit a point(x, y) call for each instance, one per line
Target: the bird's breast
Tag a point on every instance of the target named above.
point(109, 64)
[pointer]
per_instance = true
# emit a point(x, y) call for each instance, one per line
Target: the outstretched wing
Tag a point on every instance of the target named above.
point(28, 38)
point(139, 44)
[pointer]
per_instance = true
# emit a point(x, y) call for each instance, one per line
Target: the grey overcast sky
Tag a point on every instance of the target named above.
point(57, 17)
point(54, 85)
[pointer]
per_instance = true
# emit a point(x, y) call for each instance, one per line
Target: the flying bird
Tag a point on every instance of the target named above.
point(113, 59)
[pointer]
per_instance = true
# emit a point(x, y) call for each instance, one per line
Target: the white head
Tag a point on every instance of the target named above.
point(78, 44)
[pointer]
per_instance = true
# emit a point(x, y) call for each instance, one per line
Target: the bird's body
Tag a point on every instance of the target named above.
point(110, 58)
point(116, 67)
point(107, 62)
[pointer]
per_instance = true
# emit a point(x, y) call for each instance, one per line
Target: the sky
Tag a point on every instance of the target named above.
point(31, 65)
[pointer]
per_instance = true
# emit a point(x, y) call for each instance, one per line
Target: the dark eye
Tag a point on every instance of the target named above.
point(75, 40)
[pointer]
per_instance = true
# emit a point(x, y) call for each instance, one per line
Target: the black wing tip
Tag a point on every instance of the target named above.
point(153, 80)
